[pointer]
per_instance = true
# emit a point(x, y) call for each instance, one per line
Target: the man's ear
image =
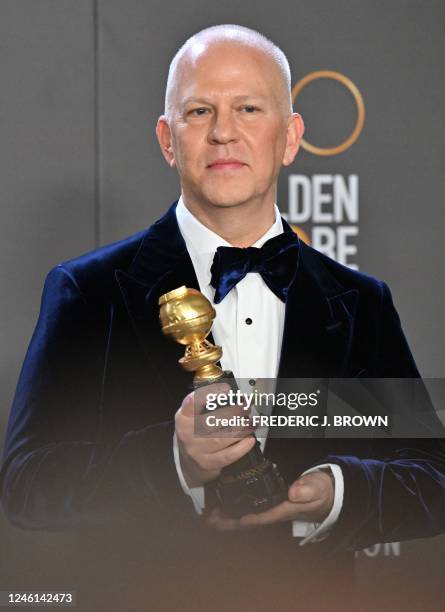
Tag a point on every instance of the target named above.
point(295, 131)
point(165, 140)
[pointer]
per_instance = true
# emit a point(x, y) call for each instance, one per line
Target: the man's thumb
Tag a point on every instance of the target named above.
point(299, 491)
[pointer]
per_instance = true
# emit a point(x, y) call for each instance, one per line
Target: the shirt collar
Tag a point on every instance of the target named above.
point(201, 242)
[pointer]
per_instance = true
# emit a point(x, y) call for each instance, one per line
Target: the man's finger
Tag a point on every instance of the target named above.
point(286, 511)
point(223, 422)
point(195, 401)
point(315, 486)
point(212, 446)
point(223, 523)
point(218, 444)
point(281, 513)
point(227, 456)
point(210, 395)
point(303, 492)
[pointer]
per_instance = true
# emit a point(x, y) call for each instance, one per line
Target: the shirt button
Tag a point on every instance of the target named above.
point(248, 321)
point(252, 382)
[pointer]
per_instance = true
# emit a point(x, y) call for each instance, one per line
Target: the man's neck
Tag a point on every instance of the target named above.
point(241, 226)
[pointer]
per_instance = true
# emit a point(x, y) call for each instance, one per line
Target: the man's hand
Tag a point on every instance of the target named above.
point(203, 456)
point(310, 498)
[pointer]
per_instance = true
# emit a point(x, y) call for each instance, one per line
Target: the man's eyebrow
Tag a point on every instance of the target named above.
point(193, 100)
point(203, 100)
point(249, 97)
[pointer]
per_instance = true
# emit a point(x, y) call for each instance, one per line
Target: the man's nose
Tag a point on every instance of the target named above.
point(223, 128)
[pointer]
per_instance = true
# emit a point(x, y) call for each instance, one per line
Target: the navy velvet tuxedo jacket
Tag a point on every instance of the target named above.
point(89, 442)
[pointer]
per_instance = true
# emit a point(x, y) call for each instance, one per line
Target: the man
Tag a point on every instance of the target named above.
point(101, 431)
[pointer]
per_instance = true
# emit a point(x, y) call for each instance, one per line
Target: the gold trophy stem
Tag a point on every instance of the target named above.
point(208, 373)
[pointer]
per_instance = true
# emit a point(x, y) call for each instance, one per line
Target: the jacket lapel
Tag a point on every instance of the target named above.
point(319, 322)
point(317, 339)
point(161, 264)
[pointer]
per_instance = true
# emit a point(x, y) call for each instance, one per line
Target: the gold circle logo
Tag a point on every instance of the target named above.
point(341, 78)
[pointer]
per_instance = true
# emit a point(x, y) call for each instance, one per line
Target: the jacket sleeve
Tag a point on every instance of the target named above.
point(394, 490)
point(59, 470)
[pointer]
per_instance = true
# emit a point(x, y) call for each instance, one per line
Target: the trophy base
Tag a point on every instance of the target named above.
point(251, 484)
point(251, 490)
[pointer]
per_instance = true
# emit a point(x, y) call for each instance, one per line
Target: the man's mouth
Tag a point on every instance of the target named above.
point(226, 163)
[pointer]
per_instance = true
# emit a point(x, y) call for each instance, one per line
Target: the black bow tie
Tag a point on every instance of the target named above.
point(276, 261)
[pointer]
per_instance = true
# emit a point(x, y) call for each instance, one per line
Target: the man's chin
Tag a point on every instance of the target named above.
point(227, 200)
point(226, 203)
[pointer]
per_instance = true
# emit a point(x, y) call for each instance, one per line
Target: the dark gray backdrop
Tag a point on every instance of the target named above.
point(81, 88)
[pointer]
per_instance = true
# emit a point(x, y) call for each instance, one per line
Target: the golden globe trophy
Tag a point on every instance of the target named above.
point(253, 483)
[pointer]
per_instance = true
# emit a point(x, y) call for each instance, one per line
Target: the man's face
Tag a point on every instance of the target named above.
point(228, 134)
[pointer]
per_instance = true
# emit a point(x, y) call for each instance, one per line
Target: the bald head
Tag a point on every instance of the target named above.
point(233, 35)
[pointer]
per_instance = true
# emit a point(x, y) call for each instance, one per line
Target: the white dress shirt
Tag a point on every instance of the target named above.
point(248, 326)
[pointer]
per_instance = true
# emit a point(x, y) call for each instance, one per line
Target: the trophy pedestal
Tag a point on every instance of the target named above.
point(251, 484)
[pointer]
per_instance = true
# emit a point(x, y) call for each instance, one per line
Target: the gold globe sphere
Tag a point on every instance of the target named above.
point(186, 316)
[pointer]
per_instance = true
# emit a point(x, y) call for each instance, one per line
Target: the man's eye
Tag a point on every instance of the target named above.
point(198, 111)
point(250, 109)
